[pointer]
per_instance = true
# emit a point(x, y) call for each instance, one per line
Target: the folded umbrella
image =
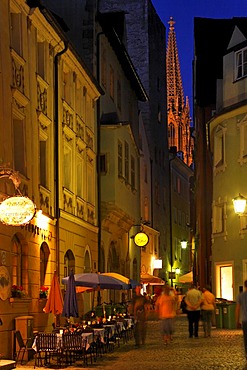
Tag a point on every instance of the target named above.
point(54, 302)
point(70, 307)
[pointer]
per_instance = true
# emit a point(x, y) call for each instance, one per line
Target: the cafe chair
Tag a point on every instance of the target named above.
point(48, 347)
point(23, 346)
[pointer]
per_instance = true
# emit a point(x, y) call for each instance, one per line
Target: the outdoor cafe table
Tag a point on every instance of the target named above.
point(99, 332)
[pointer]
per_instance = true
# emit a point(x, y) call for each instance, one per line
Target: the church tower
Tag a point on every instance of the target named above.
point(178, 108)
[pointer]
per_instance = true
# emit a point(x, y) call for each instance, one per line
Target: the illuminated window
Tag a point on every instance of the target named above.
point(44, 256)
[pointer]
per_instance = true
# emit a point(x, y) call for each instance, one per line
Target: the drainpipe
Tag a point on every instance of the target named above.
point(56, 149)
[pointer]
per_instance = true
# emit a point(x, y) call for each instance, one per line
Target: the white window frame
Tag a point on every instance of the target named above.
point(219, 218)
point(219, 149)
point(240, 64)
point(243, 140)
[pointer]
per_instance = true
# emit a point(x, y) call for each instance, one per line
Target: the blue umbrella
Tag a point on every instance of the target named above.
point(70, 307)
point(94, 280)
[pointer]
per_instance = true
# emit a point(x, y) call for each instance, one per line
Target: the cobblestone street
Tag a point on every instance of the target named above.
point(224, 350)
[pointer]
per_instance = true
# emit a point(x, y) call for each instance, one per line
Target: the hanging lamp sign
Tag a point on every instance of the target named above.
point(141, 239)
point(17, 210)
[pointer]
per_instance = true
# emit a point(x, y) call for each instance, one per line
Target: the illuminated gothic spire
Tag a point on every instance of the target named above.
point(178, 112)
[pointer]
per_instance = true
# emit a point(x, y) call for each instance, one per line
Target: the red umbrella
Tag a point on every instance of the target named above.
point(54, 302)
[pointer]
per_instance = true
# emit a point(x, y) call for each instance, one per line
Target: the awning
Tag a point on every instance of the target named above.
point(151, 279)
point(187, 278)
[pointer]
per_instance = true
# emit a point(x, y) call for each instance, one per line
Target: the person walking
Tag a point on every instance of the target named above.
point(207, 309)
point(241, 309)
point(166, 308)
point(140, 315)
point(193, 301)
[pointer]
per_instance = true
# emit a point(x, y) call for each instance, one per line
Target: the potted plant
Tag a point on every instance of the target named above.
point(17, 291)
point(43, 292)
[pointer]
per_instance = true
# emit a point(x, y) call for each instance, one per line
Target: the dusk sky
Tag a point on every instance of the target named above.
point(183, 13)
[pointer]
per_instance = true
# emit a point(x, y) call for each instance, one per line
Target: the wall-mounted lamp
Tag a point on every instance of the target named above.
point(158, 264)
point(177, 270)
point(239, 204)
point(184, 244)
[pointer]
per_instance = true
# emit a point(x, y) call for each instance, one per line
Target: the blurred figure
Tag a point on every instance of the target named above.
point(193, 301)
point(166, 308)
point(207, 306)
point(140, 314)
point(242, 307)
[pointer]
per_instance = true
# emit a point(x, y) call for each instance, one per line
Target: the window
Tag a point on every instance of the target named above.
point(16, 261)
point(41, 59)
point(43, 163)
point(69, 262)
point(87, 263)
point(102, 164)
point(219, 149)
point(103, 69)
point(44, 256)
point(19, 146)
point(120, 159)
point(111, 83)
point(15, 32)
point(119, 95)
point(171, 134)
point(218, 218)
point(90, 184)
point(243, 141)
point(180, 137)
point(67, 170)
point(67, 85)
point(241, 63)
point(79, 176)
point(126, 161)
point(132, 170)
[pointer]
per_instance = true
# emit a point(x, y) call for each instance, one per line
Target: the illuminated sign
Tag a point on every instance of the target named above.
point(141, 239)
point(17, 211)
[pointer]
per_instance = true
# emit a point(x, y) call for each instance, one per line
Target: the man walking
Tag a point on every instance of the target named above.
point(193, 300)
point(207, 307)
point(242, 306)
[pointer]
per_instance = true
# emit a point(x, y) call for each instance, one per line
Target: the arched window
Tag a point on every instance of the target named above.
point(44, 256)
point(16, 261)
point(87, 262)
point(113, 259)
point(180, 137)
point(171, 134)
point(69, 262)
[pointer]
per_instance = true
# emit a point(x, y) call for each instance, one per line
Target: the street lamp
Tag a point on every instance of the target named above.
point(239, 204)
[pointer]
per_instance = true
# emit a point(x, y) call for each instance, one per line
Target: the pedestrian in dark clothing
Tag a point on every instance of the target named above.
point(242, 307)
point(140, 314)
point(193, 301)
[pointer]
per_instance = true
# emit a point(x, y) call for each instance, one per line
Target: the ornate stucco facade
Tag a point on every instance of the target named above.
point(47, 118)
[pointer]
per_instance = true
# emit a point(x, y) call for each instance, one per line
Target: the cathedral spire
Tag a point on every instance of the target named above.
point(174, 80)
point(178, 111)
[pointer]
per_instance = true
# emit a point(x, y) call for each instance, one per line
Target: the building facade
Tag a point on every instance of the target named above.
point(228, 147)
point(48, 110)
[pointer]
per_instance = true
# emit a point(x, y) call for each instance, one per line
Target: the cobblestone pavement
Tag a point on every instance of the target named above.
point(224, 350)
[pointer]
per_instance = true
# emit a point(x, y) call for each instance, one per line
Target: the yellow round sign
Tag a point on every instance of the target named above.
point(17, 211)
point(141, 239)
